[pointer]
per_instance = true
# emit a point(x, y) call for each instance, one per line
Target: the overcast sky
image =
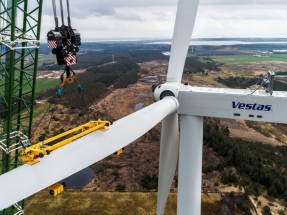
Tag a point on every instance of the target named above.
point(155, 18)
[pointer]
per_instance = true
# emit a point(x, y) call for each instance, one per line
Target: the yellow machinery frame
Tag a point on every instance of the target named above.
point(31, 153)
point(55, 189)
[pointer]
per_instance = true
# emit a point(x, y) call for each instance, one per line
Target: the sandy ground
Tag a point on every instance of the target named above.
point(256, 68)
point(55, 74)
point(239, 129)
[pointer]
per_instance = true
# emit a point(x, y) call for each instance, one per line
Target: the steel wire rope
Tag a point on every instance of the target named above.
point(90, 102)
point(41, 119)
point(70, 120)
point(86, 107)
point(262, 79)
point(62, 13)
point(55, 13)
point(53, 98)
point(68, 10)
point(53, 111)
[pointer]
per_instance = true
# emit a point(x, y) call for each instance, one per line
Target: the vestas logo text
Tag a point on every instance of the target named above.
point(255, 106)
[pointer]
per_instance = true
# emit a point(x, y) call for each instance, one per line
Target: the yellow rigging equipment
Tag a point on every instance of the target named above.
point(30, 154)
point(56, 189)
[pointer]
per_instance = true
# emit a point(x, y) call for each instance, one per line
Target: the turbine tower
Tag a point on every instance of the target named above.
point(173, 99)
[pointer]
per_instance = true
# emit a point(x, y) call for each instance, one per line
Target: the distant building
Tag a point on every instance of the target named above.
point(279, 51)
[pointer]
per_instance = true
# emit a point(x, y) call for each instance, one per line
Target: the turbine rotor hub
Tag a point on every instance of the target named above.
point(166, 89)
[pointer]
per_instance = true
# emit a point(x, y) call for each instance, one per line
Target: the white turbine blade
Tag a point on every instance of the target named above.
point(184, 22)
point(169, 146)
point(26, 180)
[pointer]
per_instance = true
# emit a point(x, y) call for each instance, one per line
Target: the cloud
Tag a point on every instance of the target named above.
point(241, 2)
point(242, 20)
point(104, 7)
point(130, 16)
point(150, 18)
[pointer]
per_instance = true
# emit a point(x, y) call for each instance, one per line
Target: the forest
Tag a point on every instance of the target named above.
point(193, 65)
point(243, 83)
point(101, 72)
point(259, 167)
point(97, 58)
point(94, 81)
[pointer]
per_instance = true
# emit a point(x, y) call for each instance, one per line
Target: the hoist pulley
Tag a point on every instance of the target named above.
point(64, 40)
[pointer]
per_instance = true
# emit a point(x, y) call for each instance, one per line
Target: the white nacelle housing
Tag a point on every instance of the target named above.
point(233, 103)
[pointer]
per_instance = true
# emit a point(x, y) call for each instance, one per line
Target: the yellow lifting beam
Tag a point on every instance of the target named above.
point(30, 154)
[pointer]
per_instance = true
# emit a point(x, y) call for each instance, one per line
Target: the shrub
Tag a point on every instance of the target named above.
point(149, 182)
point(266, 210)
point(243, 208)
point(115, 173)
point(42, 137)
point(120, 187)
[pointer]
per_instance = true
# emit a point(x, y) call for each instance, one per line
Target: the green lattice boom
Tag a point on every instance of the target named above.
point(20, 22)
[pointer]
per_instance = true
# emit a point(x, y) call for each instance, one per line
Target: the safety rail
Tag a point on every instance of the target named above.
point(16, 136)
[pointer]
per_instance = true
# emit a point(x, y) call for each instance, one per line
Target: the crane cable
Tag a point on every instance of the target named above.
point(90, 101)
point(53, 109)
point(55, 13)
point(62, 13)
point(68, 9)
point(87, 108)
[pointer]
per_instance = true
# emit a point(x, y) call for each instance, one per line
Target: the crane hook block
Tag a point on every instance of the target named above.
point(64, 40)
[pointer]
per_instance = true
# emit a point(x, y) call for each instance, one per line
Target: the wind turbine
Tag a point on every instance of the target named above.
point(173, 98)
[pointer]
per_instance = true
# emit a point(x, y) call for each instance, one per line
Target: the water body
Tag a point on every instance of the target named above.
point(217, 43)
point(141, 94)
point(149, 79)
point(79, 179)
point(138, 106)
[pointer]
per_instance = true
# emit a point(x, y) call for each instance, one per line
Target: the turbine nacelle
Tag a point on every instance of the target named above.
point(167, 89)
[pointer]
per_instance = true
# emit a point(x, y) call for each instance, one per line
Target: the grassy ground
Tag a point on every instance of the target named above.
point(110, 203)
point(45, 84)
point(211, 204)
point(228, 59)
point(97, 203)
point(39, 110)
point(46, 59)
point(208, 79)
point(269, 129)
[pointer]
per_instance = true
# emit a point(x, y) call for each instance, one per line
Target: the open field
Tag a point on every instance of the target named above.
point(46, 59)
point(97, 203)
point(45, 84)
point(254, 68)
point(111, 203)
point(208, 79)
point(229, 59)
point(38, 112)
point(42, 85)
